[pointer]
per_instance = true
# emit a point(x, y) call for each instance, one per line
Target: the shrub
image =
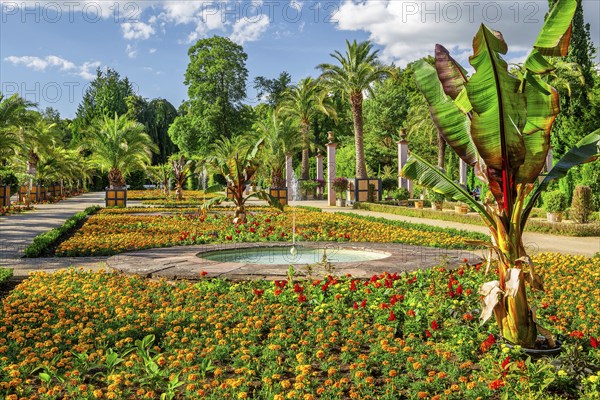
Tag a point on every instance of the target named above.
point(435, 197)
point(555, 201)
point(389, 183)
point(5, 275)
point(340, 185)
point(401, 194)
point(581, 206)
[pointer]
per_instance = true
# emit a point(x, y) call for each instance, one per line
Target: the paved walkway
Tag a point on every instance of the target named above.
point(17, 232)
point(534, 242)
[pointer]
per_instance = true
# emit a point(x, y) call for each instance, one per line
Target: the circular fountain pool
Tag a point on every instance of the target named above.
point(283, 255)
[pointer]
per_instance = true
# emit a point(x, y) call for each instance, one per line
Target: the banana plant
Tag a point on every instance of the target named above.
point(238, 162)
point(499, 123)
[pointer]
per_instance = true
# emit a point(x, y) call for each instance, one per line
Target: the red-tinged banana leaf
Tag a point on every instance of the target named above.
point(586, 150)
point(537, 63)
point(555, 35)
point(498, 107)
point(499, 112)
point(542, 108)
point(452, 75)
point(425, 174)
point(451, 122)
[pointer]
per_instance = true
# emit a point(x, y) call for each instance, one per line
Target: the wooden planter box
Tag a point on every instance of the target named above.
point(360, 189)
point(461, 209)
point(116, 197)
point(419, 204)
point(4, 196)
point(34, 195)
point(281, 194)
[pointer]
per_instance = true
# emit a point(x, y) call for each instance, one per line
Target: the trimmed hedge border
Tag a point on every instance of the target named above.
point(44, 241)
point(5, 275)
point(577, 230)
point(424, 228)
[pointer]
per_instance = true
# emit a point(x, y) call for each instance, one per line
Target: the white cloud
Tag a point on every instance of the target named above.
point(42, 64)
point(246, 30)
point(131, 51)
point(409, 30)
point(137, 30)
point(152, 51)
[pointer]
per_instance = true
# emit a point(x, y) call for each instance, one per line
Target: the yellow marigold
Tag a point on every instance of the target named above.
point(422, 395)
point(417, 365)
point(97, 393)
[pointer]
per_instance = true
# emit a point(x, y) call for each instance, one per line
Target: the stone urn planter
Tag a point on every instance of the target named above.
point(437, 206)
point(541, 349)
point(462, 209)
point(340, 202)
point(554, 216)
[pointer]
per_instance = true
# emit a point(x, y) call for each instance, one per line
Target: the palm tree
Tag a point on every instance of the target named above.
point(280, 141)
point(357, 71)
point(303, 102)
point(182, 169)
point(14, 117)
point(120, 146)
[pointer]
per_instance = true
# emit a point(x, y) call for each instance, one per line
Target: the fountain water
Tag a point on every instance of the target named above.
point(293, 250)
point(295, 189)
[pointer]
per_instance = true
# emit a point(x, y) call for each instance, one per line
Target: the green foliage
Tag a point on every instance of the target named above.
point(401, 194)
point(340, 185)
point(272, 89)
point(554, 201)
point(5, 275)
point(106, 95)
point(345, 160)
point(216, 79)
point(581, 205)
point(43, 243)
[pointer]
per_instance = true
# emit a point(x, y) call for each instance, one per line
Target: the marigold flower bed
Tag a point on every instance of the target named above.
point(77, 335)
point(114, 231)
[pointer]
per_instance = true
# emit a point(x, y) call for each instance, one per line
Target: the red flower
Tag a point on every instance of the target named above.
point(355, 306)
point(487, 344)
point(252, 230)
point(427, 333)
point(258, 292)
point(593, 342)
point(229, 237)
point(497, 384)
point(384, 305)
point(505, 362)
point(392, 316)
point(411, 313)
point(352, 286)
point(277, 292)
point(577, 334)
point(203, 273)
point(468, 292)
point(301, 298)
point(363, 303)
point(298, 288)
point(434, 325)
point(459, 290)
point(465, 260)
point(553, 318)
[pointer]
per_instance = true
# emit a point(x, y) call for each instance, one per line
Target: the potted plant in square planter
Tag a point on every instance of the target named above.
point(401, 195)
point(308, 188)
point(555, 203)
point(437, 200)
point(340, 185)
point(320, 186)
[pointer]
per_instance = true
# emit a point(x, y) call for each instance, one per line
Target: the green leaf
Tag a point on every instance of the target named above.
point(214, 188)
point(425, 174)
point(450, 73)
point(452, 123)
point(537, 63)
point(586, 150)
point(273, 201)
point(498, 107)
point(555, 35)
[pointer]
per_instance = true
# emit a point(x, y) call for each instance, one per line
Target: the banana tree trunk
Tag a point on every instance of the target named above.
point(356, 100)
point(441, 150)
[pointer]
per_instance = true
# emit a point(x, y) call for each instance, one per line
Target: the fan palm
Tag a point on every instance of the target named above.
point(303, 102)
point(357, 71)
point(500, 124)
point(120, 146)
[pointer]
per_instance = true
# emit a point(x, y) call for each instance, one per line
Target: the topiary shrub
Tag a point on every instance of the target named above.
point(555, 201)
point(581, 206)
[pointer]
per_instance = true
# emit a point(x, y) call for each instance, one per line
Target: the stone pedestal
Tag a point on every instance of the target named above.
point(331, 172)
point(462, 172)
point(402, 158)
point(319, 173)
point(288, 176)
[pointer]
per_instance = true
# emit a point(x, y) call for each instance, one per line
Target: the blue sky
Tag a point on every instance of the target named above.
point(49, 50)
